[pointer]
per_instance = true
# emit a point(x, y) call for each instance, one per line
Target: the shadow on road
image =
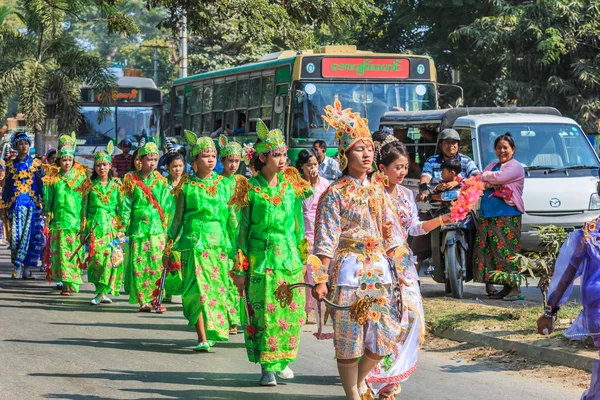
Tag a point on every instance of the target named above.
point(200, 379)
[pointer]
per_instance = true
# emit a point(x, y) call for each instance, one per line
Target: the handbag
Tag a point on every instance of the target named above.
point(504, 193)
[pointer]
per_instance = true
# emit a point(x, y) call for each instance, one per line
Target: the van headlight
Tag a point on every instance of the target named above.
point(594, 202)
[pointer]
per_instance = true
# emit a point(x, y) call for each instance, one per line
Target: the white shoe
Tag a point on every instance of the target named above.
point(95, 301)
point(105, 300)
point(286, 374)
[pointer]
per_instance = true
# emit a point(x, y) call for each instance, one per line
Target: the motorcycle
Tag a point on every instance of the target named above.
point(451, 245)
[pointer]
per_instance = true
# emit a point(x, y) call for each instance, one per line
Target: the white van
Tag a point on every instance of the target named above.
point(561, 166)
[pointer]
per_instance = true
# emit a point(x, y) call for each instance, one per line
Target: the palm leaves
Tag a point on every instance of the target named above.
point(41, 61)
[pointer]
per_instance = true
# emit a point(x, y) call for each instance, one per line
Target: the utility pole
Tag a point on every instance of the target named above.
point(156, 66)
point(183, 62)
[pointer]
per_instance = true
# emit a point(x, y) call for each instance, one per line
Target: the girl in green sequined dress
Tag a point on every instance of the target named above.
point(145, 197)
point(63, 206)
point(231, 156)
point(102, 220)
point(271, 235)
point(200, 231)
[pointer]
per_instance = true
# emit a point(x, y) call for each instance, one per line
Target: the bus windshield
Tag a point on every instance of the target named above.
point(540, 145)
point(371, 100)
point(121, 122)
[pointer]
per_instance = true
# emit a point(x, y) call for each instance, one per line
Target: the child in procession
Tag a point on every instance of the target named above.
point(393, 161)
point(22, 198)
point(199, 231)
point(103, 223)
point(63, 199)
point(175, 163)
point(271, 248)
point(350, 266)
point(145, 196)
point(231, 156)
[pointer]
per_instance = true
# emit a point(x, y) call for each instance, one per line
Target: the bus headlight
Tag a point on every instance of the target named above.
point(594, 202)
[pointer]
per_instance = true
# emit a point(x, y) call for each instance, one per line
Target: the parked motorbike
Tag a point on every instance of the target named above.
point(451, 246)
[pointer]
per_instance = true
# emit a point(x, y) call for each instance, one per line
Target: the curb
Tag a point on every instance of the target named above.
point(555, 356)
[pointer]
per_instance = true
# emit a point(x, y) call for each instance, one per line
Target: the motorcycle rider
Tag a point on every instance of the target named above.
point(449, 143)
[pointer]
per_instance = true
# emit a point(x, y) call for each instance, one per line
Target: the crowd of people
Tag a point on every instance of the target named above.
point(228, 244)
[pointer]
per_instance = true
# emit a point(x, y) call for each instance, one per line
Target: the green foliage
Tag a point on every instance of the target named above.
point(538, 265)
point(42, 61)
point(544, 53)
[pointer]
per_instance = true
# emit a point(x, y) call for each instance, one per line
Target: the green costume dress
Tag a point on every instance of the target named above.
point(63, 205)
point(200, 231)
point(145, 219)
point(174, 278)
point(270, 235)
point(235, 305)
point(100, 210)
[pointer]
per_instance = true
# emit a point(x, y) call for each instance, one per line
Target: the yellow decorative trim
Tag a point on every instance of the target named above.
point(161, 178)
point(118, 223)
point(85, 187)
point(240, 266)
point(300, 186)
point(317, 269)
point(240, 198)
point(52, 175)
point(177, 189)
point(280, 355)
point(210, 190)
point(128, 185)
point(168, 248)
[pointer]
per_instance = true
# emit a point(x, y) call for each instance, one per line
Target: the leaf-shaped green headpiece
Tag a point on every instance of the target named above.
point(269, 140)
point(199, 144)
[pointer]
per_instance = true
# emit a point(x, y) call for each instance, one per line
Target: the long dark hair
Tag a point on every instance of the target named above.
point(133, 157)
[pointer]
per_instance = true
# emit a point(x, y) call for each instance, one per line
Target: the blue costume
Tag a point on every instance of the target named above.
point(22, 198)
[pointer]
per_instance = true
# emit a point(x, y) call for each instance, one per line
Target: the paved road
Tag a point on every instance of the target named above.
point(54, 347)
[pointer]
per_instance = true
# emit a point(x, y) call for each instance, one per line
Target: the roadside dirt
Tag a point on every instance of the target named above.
point(492, 359)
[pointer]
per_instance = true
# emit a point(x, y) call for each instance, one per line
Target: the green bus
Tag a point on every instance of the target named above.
point(288, 90)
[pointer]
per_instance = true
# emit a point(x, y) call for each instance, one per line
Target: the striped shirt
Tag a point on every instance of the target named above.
point(122, 163)
point(433, 170)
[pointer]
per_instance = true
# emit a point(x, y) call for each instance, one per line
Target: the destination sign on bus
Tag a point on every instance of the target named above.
point(127, 95)
point(365, 68)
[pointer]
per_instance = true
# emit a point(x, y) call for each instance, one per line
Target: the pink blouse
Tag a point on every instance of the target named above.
point(309, 207)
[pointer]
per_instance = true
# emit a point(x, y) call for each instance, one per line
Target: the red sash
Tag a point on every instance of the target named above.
point(148, 192)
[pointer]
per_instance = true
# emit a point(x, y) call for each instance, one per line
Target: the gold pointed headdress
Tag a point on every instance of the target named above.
point(349, 129)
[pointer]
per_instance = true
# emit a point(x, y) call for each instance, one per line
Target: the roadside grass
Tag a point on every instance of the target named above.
point(444, 313)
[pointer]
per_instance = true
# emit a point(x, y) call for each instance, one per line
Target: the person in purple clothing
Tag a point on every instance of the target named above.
point(578, 258)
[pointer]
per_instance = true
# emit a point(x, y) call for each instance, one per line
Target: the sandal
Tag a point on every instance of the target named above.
point(514, 297)
point(161, 309)
point(500, 295)
point(145, 308)
point(65, 293)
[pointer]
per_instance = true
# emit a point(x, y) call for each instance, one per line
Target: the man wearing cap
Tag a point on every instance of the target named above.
point(122, 162)
point(449, 143)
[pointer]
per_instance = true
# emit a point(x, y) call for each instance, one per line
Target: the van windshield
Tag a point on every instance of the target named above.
point(540, 145)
